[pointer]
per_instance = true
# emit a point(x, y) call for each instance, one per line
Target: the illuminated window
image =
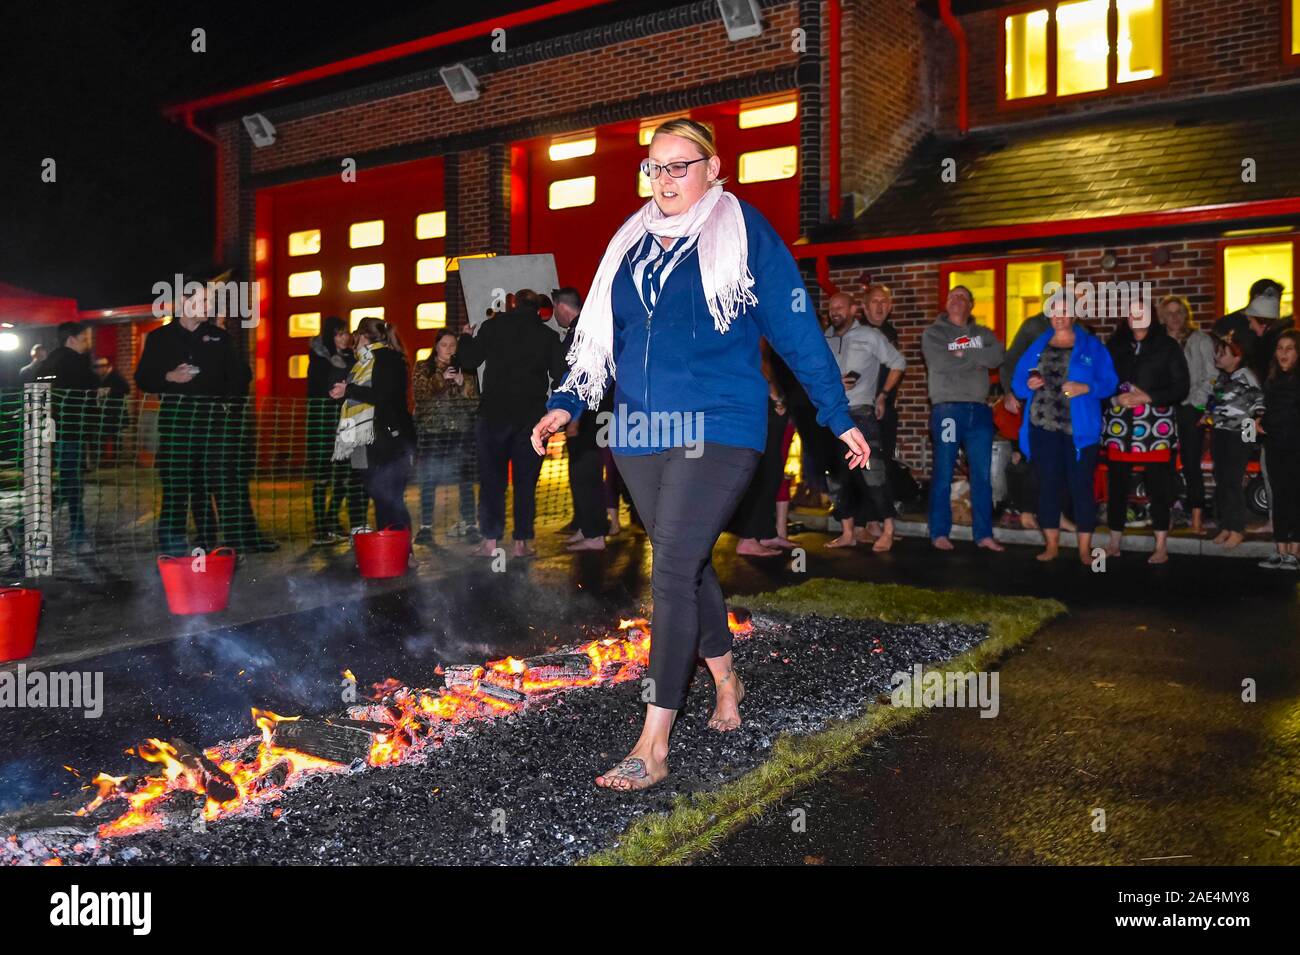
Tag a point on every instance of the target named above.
point(304, 283)
point(366, 278)
point(431, 271)
point(1026, 66)
point(304, 243)
point(431, 315)
point(304, 324)
point(423, 354)
point(1291, 9)
point(768, 114)
point(454, 264)
point(571, 147)
point(765, 165)
point(1139, 47)
point(1025, 284)
point(1247, 262)
point(568, 193)
point(357, 314)
point(362, 235)
point(983, 285)
point(298, 366)
point(1087, 37)
point(643, 186)
point(431, 225)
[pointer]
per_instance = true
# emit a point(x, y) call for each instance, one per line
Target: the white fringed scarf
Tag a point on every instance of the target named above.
point(723, 251)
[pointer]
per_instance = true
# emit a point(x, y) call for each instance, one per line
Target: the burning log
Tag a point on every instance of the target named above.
point(211, 779)
point(461, 674)
point(560, 669)
point(339, 741)
point(503, 693)
point(273, 778)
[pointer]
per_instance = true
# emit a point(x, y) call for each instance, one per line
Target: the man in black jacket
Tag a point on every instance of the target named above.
point(523, 357)
point(67, 370)
point(194, 366)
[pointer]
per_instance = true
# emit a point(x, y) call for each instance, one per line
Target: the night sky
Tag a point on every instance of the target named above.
point(84, 84)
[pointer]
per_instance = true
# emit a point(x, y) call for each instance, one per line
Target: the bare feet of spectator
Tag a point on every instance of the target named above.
point(942, 543)
point(862, 536)
point(1028, 521)
point(884, 542)
point(844, 540)
point(486, 548)
point(1114, 541)
point(780, 543)
point(1221, 537)
point(1159, 556)
point(1232, 540)
point(524, 549)
point(573, 538)
point(587, 543)
point(990, 543)
point(750, 547)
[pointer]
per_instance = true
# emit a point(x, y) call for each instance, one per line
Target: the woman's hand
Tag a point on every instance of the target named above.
point(456, 375)
point(1034, 381)
point(1073, 389)
point(336, 392)
point(859, 453)
point(551, 422)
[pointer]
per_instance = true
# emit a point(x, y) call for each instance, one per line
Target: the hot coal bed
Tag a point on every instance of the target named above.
point(494, 767)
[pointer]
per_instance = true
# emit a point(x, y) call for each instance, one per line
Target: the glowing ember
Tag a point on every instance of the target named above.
point(253, 771)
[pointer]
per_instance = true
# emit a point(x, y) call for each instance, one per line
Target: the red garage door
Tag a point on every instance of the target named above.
point(328, 247)
point(570, 193)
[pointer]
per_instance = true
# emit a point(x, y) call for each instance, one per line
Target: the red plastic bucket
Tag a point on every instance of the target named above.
point(382, 553)
point(198, 584)
point(20, 609)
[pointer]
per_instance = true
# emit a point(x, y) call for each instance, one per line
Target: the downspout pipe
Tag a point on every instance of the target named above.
point(959, 37)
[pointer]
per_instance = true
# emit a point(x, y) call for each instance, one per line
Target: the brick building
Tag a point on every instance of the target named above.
point(920, 145)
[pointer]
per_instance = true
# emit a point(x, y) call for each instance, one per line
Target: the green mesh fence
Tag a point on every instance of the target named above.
point(84, 473)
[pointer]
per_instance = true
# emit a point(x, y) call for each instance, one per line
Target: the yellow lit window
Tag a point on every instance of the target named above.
point(768, 114)
point(1295, 26)
point(454, 264)
point(357, 314)
point(431, 315)
point(298, 366)
point(643, 186)
point(571, 147)
point(431, 271)
point(304, 283)
point(304, 324)
point(983, 285)
point(366, 278)
point(1025, 284)
point(304, 243)
point(1082, 46)
point(362, 235)
point(1026, 66)
point(431, 225)
point(1246, 263)
point(1139, 45)
point(423, 354)
point(568, 193)
point(765, 165)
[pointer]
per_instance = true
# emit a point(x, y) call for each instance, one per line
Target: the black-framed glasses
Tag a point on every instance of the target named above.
point(677, 170)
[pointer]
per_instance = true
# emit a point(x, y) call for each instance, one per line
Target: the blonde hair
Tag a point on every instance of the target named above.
point(699, 134)
point(1187, 309)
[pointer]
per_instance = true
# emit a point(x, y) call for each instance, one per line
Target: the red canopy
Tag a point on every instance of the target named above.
point(21, 307)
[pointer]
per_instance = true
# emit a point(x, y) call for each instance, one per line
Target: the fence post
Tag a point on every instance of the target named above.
point(38, 481)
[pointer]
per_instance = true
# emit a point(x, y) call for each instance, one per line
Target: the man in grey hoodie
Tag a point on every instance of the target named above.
point(959, 354)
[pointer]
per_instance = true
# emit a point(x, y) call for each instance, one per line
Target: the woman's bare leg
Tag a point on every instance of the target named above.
point(726, 713)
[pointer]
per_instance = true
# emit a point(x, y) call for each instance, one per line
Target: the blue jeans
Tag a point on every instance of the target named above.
point(964, 425)
point(1062, 470)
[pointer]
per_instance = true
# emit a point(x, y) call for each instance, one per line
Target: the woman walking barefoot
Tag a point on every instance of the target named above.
point(685, 290)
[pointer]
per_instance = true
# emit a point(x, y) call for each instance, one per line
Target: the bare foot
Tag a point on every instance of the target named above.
point(587, 543)
point(874, 528)
point(1234, 538)
point(633, 773)
point(1049, 553)
point(574, 537)
point(1028, 521)
point(1160, 556)
point(485, 548)
point(842, 541)
point(862, 536)
point(726, 713)
point(883, 543)
point(990, 543)
point(752, 548)
point(1113, 544)
point(1221, 537)
point(524, 549)
point(942, 543)
point(781, 543)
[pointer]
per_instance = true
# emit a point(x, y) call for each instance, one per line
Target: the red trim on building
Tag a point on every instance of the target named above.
point(963, 56)
point(546, 11)
point(1197, 215)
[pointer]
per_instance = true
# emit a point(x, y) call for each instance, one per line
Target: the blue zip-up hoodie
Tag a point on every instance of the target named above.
point(674, 360)
point(1091, 365)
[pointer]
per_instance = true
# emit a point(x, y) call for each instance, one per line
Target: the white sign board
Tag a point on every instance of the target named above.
point(487, 281)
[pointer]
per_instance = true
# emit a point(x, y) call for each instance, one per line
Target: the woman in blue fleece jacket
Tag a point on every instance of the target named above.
point(1064, 377)
point(686, 288)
